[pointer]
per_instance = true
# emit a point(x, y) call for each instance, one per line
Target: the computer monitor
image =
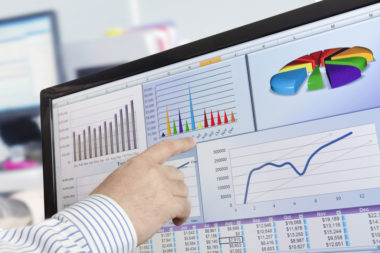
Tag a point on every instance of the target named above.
point(29, 62)
point(286, 113)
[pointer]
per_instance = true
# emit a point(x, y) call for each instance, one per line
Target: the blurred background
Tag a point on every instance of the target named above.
point(47, 42)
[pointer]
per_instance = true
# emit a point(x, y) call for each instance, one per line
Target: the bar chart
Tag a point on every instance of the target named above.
point(113, 136)
point(189, 124)
point(108, 124)
point(183, 109)
point(200, 103)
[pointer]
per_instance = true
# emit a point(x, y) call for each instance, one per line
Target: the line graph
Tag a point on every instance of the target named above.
point(334, 161)
point(281, 171)
point(299, 173)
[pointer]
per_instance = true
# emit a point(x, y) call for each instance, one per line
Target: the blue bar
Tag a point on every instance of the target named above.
point(191, 112)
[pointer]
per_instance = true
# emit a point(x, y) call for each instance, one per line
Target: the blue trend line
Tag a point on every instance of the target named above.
point(290, 164)
point(183, 165)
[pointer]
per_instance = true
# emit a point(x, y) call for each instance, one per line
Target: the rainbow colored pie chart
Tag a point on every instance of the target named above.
point(342, 67)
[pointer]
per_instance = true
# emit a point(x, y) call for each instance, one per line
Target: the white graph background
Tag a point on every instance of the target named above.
point(351, 163)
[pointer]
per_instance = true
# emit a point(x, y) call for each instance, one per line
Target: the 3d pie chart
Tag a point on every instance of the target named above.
point(342, 66)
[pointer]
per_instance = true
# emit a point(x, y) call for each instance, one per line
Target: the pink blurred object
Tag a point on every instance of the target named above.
point(9, 165)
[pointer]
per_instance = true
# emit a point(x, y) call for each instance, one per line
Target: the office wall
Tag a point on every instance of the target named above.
point(89, 19)
point(200, 18)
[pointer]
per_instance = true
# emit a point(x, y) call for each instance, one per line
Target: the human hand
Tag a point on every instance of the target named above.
point(150, 192)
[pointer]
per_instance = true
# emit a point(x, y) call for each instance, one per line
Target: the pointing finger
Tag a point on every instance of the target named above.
point(164, 150)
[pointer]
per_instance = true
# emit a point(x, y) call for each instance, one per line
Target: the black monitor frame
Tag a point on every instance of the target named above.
point(9, 115)
point(285, 21)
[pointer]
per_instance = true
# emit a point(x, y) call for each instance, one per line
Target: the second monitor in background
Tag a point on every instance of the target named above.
point(30, 62)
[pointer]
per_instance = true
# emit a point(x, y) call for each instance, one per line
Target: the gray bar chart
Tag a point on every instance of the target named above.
point(114, 135)
point(84, 144)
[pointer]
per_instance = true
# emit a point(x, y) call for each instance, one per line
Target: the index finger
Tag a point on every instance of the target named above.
point(163, 150)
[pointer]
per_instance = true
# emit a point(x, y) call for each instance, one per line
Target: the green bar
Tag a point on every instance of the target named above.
point(359, 62)
point(174, 128)
point(315, 80)
point(187, 127)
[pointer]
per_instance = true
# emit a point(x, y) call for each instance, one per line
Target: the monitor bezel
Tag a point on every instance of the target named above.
point(256, 30)
point(11, 114)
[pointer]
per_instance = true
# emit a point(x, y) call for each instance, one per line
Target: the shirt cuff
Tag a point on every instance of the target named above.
point(104, 224)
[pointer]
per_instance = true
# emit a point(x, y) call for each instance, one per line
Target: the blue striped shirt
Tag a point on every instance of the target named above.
point(96, 224)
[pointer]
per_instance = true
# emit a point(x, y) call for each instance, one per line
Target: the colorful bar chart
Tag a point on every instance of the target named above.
point(183, 124)
point(200, 103)
point(111, 137)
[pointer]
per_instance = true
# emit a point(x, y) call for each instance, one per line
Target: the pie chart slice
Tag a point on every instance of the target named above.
point(330, 56)
point(359, 62)
point(355, 52)
point(288, 83)
point(315, 80)
point(341, 65)
point(308, 66)
point(305, 59)
point(340, 75)
point(317, 57)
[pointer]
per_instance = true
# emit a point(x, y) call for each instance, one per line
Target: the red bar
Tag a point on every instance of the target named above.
point(212, 120)
point(225, 118)
point(219, 119)
point(205, 119)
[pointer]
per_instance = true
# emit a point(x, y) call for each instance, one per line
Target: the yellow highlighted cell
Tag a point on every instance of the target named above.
point(355, 52)
point(210, 61)
point(216, 59)
point(204, 63)
point(308, 66)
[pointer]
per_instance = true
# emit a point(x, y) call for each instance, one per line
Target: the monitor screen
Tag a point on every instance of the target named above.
point(28, 61)
point(287, 129)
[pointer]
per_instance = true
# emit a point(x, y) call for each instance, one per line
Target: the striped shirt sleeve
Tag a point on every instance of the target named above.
point(96, 224)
